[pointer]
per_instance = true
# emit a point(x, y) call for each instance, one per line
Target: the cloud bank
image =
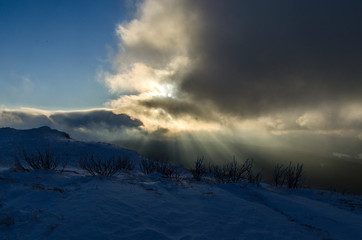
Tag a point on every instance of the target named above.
point(255, 70)
point(261, 57)
point(281, 66)
point(98, 124)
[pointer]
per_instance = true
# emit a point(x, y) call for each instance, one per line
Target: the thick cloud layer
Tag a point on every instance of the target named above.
point(23, 119)
point(279, 66)
point(95, 119)
point(92, 124)
point(257, 57)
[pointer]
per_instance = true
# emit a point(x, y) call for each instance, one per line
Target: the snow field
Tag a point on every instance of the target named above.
point(50, 205)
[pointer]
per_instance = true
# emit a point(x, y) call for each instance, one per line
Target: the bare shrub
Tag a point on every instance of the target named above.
point(233, 172)
point(126, 163)
point(248, 166)
point(293, 175)
point(258, 177)
point(279, 175)
point(41, 160)
point(148, 166)
point(166, 169)
point(18, 167)
point(199, 169)
point(250, 175)
point(97, 166)
point(219, 173)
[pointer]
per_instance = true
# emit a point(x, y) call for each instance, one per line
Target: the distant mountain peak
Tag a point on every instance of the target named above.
point(47, 129)
point(44, 128)
point(41, 131)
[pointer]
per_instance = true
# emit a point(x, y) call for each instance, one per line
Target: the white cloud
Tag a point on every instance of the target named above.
point(154, 54)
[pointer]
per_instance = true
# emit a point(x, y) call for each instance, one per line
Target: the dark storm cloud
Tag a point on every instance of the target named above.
point(178, 108)
point(95, 119)
point(257, 57)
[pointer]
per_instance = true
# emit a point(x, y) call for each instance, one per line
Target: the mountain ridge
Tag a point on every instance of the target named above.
point(14, 141)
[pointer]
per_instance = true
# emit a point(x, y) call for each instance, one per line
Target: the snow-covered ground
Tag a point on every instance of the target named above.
point(68, 150)
point(74, 205)
point(50, 205)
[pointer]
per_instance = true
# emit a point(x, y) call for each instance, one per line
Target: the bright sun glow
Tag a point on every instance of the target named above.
point(163, 90)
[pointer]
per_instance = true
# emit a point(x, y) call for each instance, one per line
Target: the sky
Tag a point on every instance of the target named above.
point(51, 52)
point(284, 73)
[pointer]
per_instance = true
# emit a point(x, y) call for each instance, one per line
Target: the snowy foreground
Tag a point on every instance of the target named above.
point(50, 205)
point(74, 205)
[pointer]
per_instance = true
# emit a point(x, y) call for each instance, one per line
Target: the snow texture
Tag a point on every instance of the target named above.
point(74, 205)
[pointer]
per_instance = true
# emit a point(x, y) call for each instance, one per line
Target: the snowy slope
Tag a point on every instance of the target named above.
point(12, 142)
point(74, 205)
point(49, 205)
